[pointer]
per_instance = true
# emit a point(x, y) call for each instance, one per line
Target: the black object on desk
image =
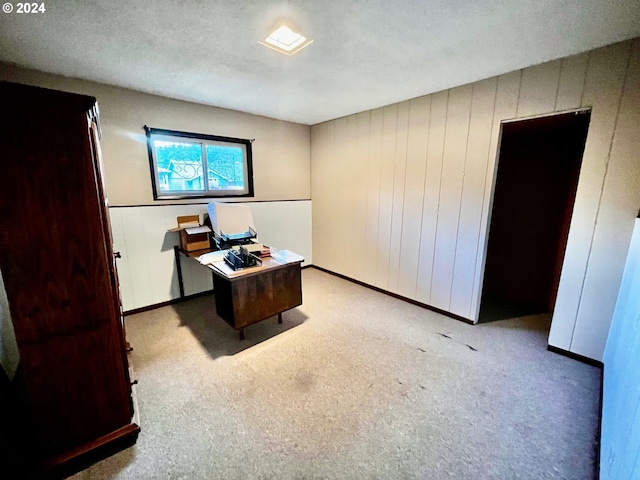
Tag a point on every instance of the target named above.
point(239, 259)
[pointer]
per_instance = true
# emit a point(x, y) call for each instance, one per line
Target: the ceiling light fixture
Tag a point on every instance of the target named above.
point(285, 40)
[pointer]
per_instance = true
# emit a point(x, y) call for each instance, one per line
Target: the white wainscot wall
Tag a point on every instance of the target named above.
point(147, 270)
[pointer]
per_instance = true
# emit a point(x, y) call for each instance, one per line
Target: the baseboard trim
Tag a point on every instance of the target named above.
point(395, 295)
point(167, 303)
point(575, 356)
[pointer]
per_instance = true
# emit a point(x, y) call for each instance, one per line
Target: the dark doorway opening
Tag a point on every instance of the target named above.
point(537, 177)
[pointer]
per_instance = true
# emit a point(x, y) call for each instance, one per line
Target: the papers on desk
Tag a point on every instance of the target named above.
point(212, 257)
point(286, 256)
point(226, 269)
point(216, 261)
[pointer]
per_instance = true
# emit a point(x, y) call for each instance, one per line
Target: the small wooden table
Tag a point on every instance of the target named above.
point(253, 294)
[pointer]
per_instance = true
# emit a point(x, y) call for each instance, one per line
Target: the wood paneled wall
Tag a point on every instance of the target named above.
point(147, 270)
point(402, 194)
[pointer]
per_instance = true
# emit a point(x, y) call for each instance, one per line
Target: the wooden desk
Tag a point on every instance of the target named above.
point(253, 294)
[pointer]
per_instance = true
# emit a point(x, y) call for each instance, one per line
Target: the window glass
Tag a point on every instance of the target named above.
point(179, 166)
point(225, 167)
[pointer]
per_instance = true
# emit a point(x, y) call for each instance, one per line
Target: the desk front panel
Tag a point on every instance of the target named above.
point(246, 300)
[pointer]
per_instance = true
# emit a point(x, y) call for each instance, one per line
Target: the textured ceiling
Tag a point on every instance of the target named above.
point(365, 54)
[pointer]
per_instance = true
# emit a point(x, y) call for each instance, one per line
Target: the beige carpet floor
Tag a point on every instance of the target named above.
point(353, 385)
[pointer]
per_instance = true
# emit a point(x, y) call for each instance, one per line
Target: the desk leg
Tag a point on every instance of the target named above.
point(241, 332)
point(280, 317)
point(179, 268)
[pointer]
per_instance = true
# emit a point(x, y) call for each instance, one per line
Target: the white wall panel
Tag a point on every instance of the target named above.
point(322, 180)
point(455, 146)
point(390, 125)
point(620, 199)
point(402, 133)
point(346, 136)
point(135, 258)
point(418, 135)
point(341, 192)
point(329, 204)
point(473, 192)
point(538, 89)
point(124, 275)
point(603, 88)
point(431, 195)
point(373, 196)
point(571, 87)
point(358, 159)
point(153, 229)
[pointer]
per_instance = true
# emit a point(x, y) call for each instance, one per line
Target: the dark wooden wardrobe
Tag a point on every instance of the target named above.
point(58, 266)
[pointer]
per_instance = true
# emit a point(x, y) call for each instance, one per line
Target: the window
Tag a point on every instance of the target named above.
point(185, 165)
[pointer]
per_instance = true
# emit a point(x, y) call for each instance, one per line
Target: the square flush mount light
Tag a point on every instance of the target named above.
point(285, 40)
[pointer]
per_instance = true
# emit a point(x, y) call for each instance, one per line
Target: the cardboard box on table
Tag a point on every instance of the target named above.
point(193, 236)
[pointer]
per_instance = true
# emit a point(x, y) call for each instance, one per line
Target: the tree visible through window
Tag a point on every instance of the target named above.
point(196, 165)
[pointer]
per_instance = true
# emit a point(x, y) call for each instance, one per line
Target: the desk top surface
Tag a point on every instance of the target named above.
point(268, 263)
point(222, 269)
